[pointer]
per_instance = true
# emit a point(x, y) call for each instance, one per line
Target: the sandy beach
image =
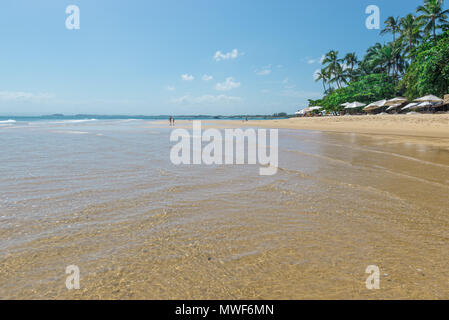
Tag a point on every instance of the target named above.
point(423, 129)
point(412, 125)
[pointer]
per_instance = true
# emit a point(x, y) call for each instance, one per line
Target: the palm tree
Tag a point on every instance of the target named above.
point(386, 57)
point(371, 61)
point(333, 66)
point(331, 59)
point(431, 13)
point(402, 64)
point(391, 26)
point(410, 33)
point(445, 27)
point(323, 76)
point(351, 60)
point(341, 75)
point(380, 59)
point(373, 49)
point(398, 59)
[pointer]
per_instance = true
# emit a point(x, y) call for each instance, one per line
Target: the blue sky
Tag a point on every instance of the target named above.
point(160, 57)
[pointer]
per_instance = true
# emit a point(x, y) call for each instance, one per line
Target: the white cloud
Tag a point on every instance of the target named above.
point(226, 56)
point(264, 71)
point(315, 74)
point(316, 60)
point(287, 85)
point(229, 84)
point(322, 58)
point(207, 77)
point(204, 99)
point(170, 88)
point(187, 77)
point(20, 96)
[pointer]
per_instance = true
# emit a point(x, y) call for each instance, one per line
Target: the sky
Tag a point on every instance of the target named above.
point(148, 57)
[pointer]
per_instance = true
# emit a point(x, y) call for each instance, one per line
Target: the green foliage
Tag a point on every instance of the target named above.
point(415, 63)
point(367, 89)
point(432, 16)
point(429, 72)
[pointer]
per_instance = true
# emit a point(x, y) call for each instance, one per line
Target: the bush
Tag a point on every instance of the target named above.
point(366, 90)
point(429, 71)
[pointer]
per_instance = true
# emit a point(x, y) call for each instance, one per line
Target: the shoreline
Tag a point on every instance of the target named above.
point(416, 125)
point(428, 129)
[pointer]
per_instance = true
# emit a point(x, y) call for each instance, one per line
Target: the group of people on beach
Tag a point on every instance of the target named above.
point(172, 121)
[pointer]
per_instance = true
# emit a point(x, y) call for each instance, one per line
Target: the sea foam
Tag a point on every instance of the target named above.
point(8, 121)
point(76, 121)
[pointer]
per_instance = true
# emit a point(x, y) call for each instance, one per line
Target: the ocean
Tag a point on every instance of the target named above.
point(102, 194)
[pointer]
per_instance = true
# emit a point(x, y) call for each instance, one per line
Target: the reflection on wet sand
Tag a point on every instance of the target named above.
point(110, 202)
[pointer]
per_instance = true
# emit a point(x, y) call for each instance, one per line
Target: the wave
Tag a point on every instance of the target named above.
point(72, 132)
point(80, 121)
point(129, 120)
point(8, 121)
point(76, 121)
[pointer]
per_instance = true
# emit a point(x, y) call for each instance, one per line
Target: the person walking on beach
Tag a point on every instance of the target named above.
point(170, 120)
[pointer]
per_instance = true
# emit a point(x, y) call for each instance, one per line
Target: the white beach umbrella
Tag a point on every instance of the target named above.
point(345, 104)
point(375, 105)
point(410, 105)
point(394, 106)
point(429, 98)
point(315, 108)
point(423, 105)
point(354, 105)
point(428, 104)
point(301, 112)
point(397, 100)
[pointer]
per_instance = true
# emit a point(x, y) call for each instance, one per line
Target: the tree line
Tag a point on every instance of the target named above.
point(414, 63)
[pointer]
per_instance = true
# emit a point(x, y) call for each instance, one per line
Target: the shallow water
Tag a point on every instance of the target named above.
point(103, 195)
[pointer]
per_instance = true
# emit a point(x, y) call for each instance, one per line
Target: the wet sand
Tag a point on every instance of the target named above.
point(138, 227)
point(406, 128)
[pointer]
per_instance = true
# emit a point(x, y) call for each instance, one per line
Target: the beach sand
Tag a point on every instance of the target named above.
point(425, 129)
point(414, 125)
